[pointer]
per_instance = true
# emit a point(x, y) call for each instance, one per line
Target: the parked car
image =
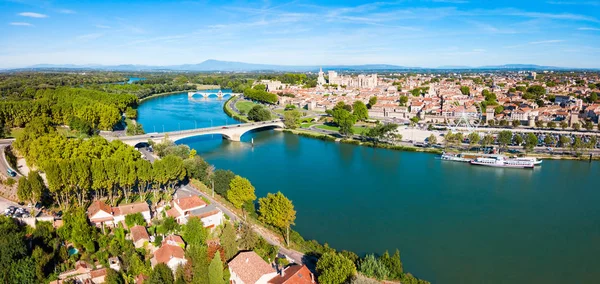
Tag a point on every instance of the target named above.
point(11, 173)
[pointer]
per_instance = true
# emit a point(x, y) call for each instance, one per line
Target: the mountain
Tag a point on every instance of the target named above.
point(212, 65)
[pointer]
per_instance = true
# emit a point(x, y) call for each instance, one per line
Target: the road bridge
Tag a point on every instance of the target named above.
point(231, 132)
point(206, 94)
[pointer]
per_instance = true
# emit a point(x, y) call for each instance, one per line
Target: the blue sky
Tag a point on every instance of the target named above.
point(426, 33)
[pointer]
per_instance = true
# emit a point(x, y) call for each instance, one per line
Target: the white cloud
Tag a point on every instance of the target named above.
point(21, 24)
point(32, 15)
point(66, 11)
point(102, 27)
point(588, 29)
point(90, 36)
point(546, 41)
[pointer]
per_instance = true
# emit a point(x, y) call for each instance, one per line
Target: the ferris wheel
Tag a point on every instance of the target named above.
point(465, 121)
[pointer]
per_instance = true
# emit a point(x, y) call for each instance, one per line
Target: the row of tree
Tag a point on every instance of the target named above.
point(259, 93)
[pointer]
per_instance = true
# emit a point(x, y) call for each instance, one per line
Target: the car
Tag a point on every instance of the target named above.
point(223, 127)
point(11, 173)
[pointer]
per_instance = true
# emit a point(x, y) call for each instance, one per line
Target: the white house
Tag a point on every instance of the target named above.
point(170, 254)
point(193, 206)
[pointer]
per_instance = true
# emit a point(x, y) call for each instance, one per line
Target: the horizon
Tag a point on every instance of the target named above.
point(425, 34)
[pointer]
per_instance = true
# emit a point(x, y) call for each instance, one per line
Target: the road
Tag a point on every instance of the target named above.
point(4, 166)
point(185, 191)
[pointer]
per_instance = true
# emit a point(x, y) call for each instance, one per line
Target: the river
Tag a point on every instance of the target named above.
point(452, 222)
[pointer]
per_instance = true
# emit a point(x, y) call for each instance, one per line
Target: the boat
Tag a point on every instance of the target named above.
point(534, 160)
point(454, 158)
point(501, 162)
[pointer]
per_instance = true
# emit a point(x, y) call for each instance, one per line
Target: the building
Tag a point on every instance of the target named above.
point(294, 274)
point(100, 213)
point(83, 273)
point(170, 253)
point(139, 236)
point(120, 212)
point(361, 81)
point(248, 267)
point(194, 206)
point(321, 80)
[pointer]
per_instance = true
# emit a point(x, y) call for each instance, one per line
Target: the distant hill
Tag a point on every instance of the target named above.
point(212, 65)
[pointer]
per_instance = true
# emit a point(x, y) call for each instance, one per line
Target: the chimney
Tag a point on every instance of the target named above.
point(246, 260)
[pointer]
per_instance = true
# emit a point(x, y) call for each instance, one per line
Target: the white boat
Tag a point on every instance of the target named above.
point(500, 162)
point(454, 158)
point(534, 160)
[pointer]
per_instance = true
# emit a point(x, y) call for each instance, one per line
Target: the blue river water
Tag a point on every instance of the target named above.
point(452, 222)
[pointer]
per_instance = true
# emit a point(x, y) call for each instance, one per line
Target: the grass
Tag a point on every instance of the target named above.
point(244, 106)
point(357, 129)
point(70, 133)
point(307, 124)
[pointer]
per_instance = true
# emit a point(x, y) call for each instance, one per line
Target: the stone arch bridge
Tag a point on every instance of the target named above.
point(206, 94)
point(231, 132)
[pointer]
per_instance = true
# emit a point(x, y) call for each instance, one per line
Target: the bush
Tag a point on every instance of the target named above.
point(10, 182)
point(259, 113)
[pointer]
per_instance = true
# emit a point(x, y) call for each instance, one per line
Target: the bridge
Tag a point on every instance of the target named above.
point(207, 94)
point(231, 132)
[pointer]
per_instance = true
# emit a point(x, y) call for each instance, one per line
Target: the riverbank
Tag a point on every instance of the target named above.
point(231, 113)
point(204, 87)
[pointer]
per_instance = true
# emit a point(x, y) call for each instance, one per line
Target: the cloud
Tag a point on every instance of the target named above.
point(588, 29)
point(32, 15)
point(21, 24)
point(66, 11)
point(590, 3)
point(546, 41)
point(90, 36)
point(450, 1)
point(102, 27)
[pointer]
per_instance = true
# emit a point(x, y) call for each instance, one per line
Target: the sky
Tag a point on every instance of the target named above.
point(415, 33)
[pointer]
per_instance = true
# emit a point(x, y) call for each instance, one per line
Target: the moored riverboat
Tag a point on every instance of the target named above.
point(501, 162)
point(534, 160)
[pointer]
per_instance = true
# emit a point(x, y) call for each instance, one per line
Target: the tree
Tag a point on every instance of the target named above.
point(24, 190)
point(564, 141)
point(161, 274)
point(222, 179)
point(372, 267)
point(113, 277)
point(488, 139)
point(516, 123)
point(259, 113)
point(194, 233)
point(539, 123)
point(588, 125)
point(240, 191)
point(393, 264)
point(380, 131)
point(277, 210)
point(11, 248)
point(228, 241)
point(498, 109)
point(474, 138)
point(135, 219)
point(360, 110)
point(530, 142)
point(551, 124)
point(403, 100)
point(549, 141)
point(576, 126)
point(564, 125)
point(344, 119)
point(504, 138)
point(291, 118)
point(334, 268)
point(215, 270)
point(465, 90)
point(432, 140)
point(537, 91)
point(518, 139)
point(372, 102)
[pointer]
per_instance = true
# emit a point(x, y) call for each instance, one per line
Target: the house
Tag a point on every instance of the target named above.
point(169, 253)
point(114, 263)
point(100, 213)
point(194, 206)
point(83, 273)
point(120, 212)
point(294, 274)
point(248, 267)
point(174, 240)
point(139, 236)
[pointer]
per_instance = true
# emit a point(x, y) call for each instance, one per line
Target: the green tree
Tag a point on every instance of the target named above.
point(24, 190)
point(474, 138)
point(291, 118)
point(518, 139)
point(12, 248)
point(222, 179)
point(551, 125)
point(576, 126)
point(345, 120)
point(372, 267)
point(240, 191)
point(259, 113)
point(588, 125)
point(504, 138)
point(277, 210)
point(161, 274)
point(564, 125)
point(334, 268)
point(564, 141)
point(530, 142)
point(113, 277)
point(194, 233)
point(403, 100)
point(537, 91)
point(432, 140)
point(393, 264)
point(488, 139)
point(372, 102)
point(516, 123)
point(135, 219)
point(549, 140)
point(465, 90)
point(228, 241)
point(360, 110)
point(215, 270)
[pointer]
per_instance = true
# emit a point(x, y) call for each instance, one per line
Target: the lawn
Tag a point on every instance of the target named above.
point(307, 124)
point(244, 106)
point(357, 129)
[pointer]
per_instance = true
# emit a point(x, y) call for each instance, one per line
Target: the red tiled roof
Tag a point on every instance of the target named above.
point(173, 213)
point(98, 272)
point(166, 252)
point(191, 202)
point(98, 206)
point(249, 267)
point(131, 208)
point(295, 274)
point(173, 238)
point(138, 233)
